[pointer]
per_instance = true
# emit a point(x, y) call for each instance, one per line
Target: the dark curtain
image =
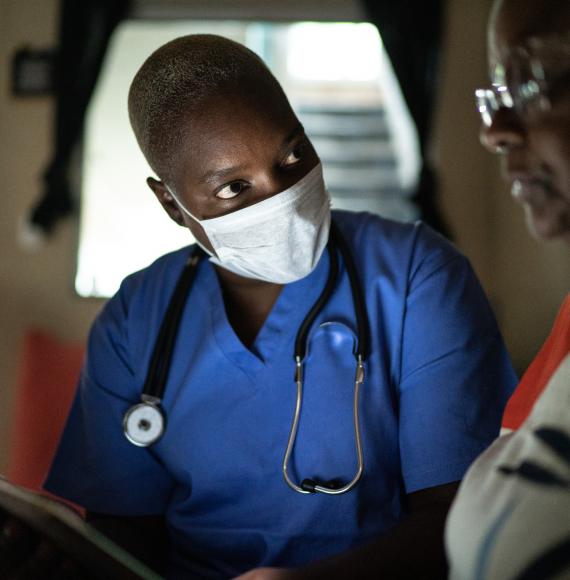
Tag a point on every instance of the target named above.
point(85, 29)
point(411, 32)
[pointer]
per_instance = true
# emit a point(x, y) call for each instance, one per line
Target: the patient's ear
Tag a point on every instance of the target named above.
point(166, 200)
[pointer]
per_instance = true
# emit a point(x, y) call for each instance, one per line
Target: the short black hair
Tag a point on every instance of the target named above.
point(178, 78)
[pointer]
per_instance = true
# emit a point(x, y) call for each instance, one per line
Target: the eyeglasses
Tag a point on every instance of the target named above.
point(536, 75)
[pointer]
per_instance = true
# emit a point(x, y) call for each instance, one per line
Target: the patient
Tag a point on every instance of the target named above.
point(511, 518)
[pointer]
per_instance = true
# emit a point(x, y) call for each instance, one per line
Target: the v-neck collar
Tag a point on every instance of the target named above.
point(280, 326)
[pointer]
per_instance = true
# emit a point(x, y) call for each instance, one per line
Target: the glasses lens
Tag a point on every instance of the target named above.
point(487, 105)
point(536, 73)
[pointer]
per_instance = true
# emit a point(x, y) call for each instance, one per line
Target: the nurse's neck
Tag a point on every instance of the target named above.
point(247, 302)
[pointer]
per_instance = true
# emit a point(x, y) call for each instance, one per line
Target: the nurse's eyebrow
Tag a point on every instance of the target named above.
point(299, 129)
point(217, 174)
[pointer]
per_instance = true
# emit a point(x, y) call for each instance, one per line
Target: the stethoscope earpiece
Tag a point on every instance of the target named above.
point(312, 485)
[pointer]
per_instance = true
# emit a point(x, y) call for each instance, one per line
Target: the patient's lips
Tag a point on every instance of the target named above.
point(531, 189)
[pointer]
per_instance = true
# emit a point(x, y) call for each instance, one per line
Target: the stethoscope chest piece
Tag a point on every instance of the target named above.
point(144, 424)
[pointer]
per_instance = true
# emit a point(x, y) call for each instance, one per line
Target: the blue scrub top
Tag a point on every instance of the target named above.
point(437, 379)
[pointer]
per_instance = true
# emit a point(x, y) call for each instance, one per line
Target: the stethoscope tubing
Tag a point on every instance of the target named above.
point(310, 485)
point(358, 298)
point(159, 366)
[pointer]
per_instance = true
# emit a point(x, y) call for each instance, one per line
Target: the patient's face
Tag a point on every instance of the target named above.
point(528, 40)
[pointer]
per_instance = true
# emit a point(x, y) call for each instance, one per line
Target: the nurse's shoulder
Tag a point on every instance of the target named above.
point(409, 249)
point(151, 286)
point(123, 334)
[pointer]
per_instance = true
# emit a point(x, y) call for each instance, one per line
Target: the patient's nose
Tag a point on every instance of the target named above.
point(505, 131)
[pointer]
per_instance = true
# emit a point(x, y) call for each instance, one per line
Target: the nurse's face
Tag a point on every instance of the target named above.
point(236, 153)
point(534, 140)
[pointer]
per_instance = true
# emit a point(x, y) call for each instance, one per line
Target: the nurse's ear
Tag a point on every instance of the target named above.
point(166, 200)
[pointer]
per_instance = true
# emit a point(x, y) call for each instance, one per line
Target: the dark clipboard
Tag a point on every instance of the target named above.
point(82, 543)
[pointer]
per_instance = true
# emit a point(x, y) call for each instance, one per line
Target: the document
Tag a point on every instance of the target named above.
point(63, 527)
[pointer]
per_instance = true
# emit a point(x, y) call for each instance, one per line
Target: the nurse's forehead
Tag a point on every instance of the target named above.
point(226, 132)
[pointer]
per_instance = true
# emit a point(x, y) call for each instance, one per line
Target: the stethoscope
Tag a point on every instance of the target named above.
point(145, 422)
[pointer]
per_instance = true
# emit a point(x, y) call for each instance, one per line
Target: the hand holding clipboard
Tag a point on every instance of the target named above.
point(68, 547)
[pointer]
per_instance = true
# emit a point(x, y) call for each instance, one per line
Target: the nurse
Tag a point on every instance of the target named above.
point(208, 498)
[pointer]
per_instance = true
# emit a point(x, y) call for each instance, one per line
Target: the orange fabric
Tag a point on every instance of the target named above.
point(48, 375)
point(554, 350)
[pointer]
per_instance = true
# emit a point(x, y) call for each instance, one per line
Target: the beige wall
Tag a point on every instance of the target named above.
point(525, 280)
point(36, 290)
point(465, 170)
point(530, 279)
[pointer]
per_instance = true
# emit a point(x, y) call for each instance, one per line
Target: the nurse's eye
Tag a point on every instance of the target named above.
point(295, 155)
point(232, 189)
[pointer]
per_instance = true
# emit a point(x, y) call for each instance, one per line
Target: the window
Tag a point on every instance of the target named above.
point(339, 82)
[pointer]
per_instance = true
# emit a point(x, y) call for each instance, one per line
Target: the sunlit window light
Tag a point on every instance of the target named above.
point(334, 52)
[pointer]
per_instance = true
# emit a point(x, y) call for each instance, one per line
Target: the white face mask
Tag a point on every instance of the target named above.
point(279, 239)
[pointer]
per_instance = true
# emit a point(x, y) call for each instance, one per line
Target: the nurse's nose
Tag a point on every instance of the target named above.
point(506, 131)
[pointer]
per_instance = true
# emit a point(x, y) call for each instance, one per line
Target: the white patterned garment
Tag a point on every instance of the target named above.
point(511, 518)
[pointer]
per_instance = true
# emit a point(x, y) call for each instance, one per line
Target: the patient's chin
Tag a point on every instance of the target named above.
point(548, 223)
